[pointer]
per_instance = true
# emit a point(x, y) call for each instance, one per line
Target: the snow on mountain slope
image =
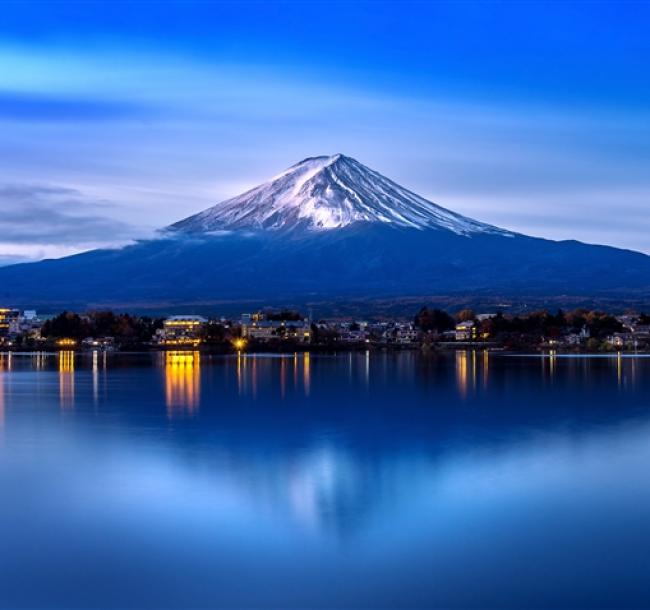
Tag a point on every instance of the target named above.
point(322, 193)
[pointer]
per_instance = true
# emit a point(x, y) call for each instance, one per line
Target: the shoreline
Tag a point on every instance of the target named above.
point(329, 350)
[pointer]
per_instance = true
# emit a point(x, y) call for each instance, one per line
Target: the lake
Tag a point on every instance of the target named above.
point(387, 480)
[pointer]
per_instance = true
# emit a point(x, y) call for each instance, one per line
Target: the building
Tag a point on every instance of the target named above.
point(577, 338)
point(9, 323)
point(400, 334)
point(621, 340)
point(406, 334)
point(466, 331)
point(628, 320)
point(257, 327)
point(104, 344)
point(260, 331)
point(573, 339)
point(641, 331)
point(353, 336)
point(30, 324)
point(631, 324)
point(182, 331)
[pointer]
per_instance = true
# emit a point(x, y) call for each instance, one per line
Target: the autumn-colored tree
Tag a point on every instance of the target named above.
point(465, 315)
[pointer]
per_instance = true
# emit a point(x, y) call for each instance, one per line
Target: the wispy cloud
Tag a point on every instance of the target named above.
point(20, 106)
point(39, 220)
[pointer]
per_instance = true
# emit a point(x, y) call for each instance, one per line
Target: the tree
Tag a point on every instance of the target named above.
point(601, 325)
point(66, 325)
point(465, 315)
point(433, 320)
point(576, 319)
point(123, 327)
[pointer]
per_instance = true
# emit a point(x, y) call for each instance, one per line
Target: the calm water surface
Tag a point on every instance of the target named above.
point(351, 481)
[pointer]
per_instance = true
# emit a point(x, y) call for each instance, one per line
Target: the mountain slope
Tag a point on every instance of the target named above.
point(328, 229)
point(324, 193)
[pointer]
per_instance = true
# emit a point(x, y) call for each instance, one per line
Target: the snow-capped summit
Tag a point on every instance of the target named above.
point(328, 192)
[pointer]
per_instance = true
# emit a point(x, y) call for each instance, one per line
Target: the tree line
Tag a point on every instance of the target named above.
point(121, 326)
point(597, 324)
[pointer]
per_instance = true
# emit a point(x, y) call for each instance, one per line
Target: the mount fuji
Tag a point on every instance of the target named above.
point(330, 230)
point(322, 193)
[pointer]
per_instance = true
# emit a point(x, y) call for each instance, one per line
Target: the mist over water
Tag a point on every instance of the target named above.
point(183, 480)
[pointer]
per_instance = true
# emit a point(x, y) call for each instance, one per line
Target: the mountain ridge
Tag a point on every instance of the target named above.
point(376, 242)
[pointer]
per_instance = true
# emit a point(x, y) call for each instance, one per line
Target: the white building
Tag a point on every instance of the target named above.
point(620, 340)
point(256, 327)
point(9, 322)
point(466, 331)
point(185, 330)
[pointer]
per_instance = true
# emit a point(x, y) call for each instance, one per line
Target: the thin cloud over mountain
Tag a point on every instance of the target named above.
point(50, 220)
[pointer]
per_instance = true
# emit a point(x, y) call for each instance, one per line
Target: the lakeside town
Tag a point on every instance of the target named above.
point(579, 330)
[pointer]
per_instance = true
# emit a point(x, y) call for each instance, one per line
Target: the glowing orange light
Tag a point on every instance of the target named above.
point(66, 379)
point(182, 382)
point(239, 344)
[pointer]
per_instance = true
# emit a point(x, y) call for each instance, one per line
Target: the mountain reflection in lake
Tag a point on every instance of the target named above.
point(184, 480)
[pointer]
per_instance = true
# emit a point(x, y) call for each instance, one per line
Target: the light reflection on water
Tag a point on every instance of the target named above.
point(182, 382)
point(359, 480)
point(4, 366)
point(66, 380)
point(254, 369)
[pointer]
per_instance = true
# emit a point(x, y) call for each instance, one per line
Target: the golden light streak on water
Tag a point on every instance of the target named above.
point(3, 368)
point(2, 399)
point(461, 372)
point(240, 382)
point(254, 376)
point(474, 369)
point(182, 382)
point(283, 377)
point(66, 380)
point(486, 368)
point(306, 372)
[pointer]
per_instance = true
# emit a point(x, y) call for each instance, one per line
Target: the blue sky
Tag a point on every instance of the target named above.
point(118, 118)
